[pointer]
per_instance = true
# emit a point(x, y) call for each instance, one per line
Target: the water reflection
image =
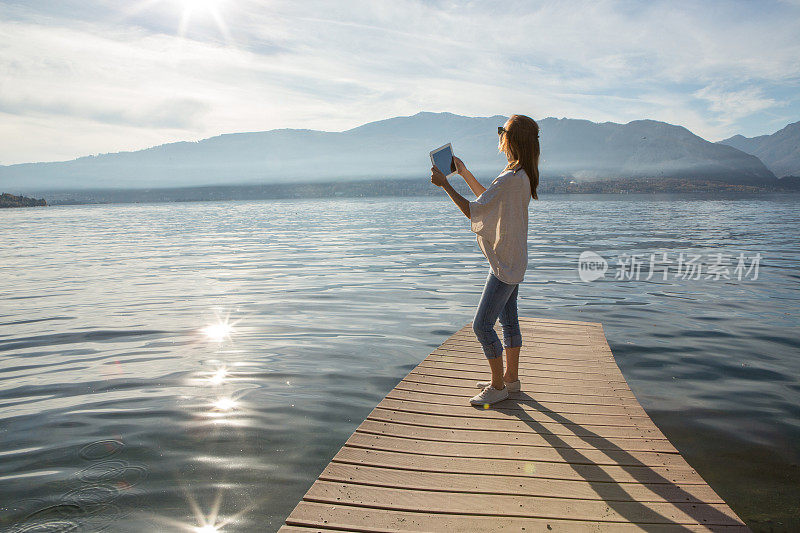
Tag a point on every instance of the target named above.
point(218, 332)
point(225, 404)
point(218, 377)
point(203, 522)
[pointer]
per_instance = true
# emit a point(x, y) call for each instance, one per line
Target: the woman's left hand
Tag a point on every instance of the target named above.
point(437, 178)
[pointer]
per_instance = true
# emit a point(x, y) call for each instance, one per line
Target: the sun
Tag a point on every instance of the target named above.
point(202, 8)
point(198, 12)
point(207, 4)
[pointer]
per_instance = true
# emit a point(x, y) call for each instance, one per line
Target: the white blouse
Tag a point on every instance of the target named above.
point(499, 217)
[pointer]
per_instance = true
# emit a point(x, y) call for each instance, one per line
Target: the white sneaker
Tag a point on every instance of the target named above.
point(511, 386)
point(489, 395)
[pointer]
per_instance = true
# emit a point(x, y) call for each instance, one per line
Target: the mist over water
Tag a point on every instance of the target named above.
point(174, 366)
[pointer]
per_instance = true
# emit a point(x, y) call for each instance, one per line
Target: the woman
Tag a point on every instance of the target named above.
point(499, 217)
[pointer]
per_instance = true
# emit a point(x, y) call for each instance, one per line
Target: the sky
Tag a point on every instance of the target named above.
point(80, 77)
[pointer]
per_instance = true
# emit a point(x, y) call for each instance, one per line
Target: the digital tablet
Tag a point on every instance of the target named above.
point(442, 158)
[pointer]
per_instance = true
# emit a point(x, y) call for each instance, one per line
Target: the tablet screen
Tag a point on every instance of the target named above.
point(443, 159)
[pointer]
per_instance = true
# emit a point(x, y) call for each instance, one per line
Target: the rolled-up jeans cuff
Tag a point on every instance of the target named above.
point(513, 341)
point(494, 350)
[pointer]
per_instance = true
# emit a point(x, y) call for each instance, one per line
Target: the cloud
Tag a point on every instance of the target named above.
point(171, 113)
point(715, 67)
point(731, 105)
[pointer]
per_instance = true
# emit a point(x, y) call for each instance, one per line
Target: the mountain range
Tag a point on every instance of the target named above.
point(398, 148)
point(779, 151)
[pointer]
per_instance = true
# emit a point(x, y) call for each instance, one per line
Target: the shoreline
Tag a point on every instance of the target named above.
point(10, 201)
point(418, 187)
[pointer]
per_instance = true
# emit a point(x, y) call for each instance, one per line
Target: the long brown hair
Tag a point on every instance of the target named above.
point(520, 142)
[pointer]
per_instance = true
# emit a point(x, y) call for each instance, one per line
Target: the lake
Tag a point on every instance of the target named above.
point(169, 366)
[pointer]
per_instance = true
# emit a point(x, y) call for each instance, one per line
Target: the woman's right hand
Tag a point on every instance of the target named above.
point(461, 168)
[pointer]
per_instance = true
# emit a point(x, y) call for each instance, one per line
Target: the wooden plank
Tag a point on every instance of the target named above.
point(565, 344)
point(572, 451)
point(531, 362)
point(537, 390)
point(562, 381)
point(436, 502)
point(528, 485)
point(525, 372)
point(354, 518)
point(586, 471)
point(560, 353)
point(518, 412)
point(511, 424)
point(564, 454)
point(413, 392)
point(557, 334)
point(521, 438)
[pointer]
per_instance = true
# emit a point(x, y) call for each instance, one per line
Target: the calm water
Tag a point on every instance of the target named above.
point(119, 411)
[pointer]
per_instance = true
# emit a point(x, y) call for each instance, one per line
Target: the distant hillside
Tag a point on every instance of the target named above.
point(398, 148)
point(642, 148)
point(779, 151)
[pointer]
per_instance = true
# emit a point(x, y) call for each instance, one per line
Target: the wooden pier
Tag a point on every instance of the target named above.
point(572, 452)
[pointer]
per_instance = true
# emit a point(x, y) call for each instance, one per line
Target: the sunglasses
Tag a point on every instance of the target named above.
point(501, 130)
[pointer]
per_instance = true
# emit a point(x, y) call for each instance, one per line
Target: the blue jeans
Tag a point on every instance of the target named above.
point(499, 300)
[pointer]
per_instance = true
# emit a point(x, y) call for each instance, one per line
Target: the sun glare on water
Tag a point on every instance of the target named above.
point(218, 332)
point(225, 404)
point(218, 377)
